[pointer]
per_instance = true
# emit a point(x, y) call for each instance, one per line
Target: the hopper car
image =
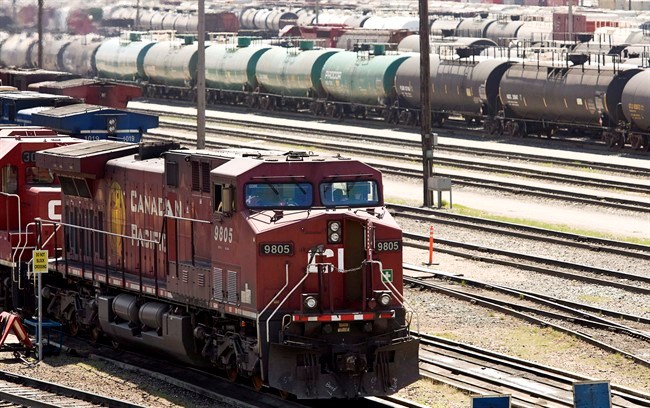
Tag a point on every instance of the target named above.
point(297, 287)
point(374, 82)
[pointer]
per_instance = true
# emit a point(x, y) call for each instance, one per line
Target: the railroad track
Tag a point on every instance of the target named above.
point(481, 371)
point(30, 392)
point(595, 244)
point(543, 311)
point(408, 136)
point(565, 269)
point(414, 170)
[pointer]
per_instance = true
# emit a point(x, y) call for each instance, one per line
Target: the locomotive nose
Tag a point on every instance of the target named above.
point(351, 363)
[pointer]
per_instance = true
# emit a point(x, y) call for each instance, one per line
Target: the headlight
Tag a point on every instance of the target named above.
point(310, 302)
point(334, 232)
point(384, 299)
point(112, 125)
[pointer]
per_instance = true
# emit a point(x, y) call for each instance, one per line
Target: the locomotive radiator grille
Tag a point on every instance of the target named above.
point(217, 287)
point(232, 287)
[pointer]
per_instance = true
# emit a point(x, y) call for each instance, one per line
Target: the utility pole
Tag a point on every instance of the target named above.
point(40, 33)
point(136, 23)
point(425, 102)
point(200, 80)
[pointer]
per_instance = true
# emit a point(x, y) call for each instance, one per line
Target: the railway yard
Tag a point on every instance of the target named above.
point(167, 262)
point(564, 287)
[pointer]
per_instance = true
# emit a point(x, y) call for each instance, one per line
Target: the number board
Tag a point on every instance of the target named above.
point(285, 248)
point(29, 156)
point(388, 246)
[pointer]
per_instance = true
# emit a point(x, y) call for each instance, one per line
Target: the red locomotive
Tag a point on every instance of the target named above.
point(26, 192)
point(282, 268)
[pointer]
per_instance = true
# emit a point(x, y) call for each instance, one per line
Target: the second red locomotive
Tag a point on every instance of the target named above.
point(282, 268)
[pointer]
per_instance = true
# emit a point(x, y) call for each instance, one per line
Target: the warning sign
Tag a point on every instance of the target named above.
point(40, 261)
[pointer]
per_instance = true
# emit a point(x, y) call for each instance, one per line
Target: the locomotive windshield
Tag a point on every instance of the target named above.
point(278, 195)
point(349, 193)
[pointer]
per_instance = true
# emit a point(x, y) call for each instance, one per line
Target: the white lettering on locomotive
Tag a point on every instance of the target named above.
point(139, 234)
point(159, 206)
point(52, 212)
point(223, 234)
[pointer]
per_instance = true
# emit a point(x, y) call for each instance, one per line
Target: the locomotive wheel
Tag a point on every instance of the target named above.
point(257, 382)
point(232, 373)
point(95, 334)
point(73, 326)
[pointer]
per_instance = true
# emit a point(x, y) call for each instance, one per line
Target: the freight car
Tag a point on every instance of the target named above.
point(368, 82)
point(298, 286)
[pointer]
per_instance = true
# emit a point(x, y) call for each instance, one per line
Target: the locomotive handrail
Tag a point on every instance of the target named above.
point(284, 300)
point(286, 283)
point(20, 233)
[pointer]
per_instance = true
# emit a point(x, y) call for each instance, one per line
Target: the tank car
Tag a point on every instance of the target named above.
point(121, 58)
point(471, 27)
point(27, 192)
point(230, 70)
point(170, 69)
point(53, 48)
point(540, 99)
point(359, 82)
point(291, 76)
point(635, 103)
point(468, 88)
point(282, 268)
point(79, 56)
point(16, 51)
point(503, 32)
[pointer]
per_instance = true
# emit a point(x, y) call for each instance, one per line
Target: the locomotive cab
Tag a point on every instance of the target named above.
point(317, 260)
point(27, 192)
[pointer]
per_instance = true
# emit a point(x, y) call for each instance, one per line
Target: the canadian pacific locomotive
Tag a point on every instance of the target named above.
point(282, 268)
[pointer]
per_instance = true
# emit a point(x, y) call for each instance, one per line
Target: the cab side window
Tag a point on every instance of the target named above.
point(38, 175)
point(9, 175)
point(223, 198)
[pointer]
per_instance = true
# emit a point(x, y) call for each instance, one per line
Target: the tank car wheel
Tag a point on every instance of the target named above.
point(490, 127)
point(404, 117)
point(115, 344)
point(638, 142)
